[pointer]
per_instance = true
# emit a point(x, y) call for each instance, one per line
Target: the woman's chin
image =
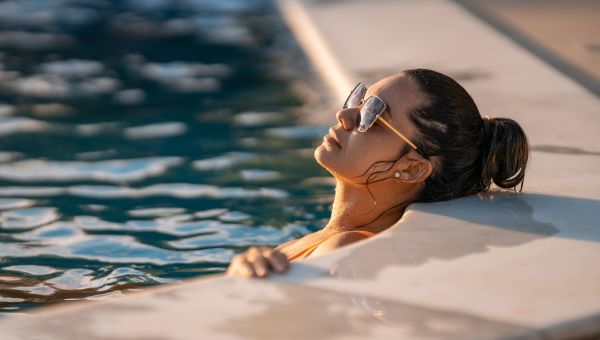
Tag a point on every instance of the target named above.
point(325, 158)
point(329, 159)
point(324, 155)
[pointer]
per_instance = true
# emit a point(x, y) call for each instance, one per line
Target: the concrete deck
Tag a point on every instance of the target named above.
point(565, 34)
point(495, 266)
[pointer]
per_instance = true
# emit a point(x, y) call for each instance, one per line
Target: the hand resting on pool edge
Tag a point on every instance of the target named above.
point(259, 261)
point(413, 137)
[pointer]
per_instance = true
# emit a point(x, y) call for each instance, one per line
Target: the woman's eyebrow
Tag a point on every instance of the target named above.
point(387, 109)
point(389, 117)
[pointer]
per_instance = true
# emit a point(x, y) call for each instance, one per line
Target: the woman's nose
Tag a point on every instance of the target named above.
point(347, 118)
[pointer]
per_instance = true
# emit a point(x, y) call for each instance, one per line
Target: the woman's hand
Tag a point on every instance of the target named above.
point(257, 262)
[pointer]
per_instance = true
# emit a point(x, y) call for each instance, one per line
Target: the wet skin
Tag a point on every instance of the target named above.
point(349, 155)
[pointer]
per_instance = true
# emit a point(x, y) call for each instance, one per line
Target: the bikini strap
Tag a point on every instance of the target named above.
point(364, 232)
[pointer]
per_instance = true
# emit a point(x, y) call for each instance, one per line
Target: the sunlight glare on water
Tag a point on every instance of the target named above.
point(146, 142)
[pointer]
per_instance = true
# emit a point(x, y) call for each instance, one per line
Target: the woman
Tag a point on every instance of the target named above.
point(412, 137)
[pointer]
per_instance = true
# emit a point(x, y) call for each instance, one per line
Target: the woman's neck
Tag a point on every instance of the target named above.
point(355, 209)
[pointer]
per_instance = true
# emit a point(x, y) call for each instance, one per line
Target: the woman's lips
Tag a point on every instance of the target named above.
point(331, 139)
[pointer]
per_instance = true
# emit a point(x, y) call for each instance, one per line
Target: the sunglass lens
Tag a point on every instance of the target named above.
point(369, 112)
point(355, 96)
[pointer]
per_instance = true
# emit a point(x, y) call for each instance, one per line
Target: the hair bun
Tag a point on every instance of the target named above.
point(505, 153)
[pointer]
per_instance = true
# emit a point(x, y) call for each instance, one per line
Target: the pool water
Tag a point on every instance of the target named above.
point(146, 142)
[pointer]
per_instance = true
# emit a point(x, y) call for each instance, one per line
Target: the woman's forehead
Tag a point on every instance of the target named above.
point(397, 91)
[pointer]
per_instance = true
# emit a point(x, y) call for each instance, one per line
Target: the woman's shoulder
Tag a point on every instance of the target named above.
point(346, 237)
point(341, 239)
point(302, 242)
point(287, 244)
point(326, 242)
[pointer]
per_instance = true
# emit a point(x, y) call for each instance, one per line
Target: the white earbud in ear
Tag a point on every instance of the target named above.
point(397, 174)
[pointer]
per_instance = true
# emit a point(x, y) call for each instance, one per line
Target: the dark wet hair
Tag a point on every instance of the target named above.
point(468, 152)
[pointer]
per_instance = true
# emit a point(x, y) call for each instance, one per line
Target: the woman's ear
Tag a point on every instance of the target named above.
point(414, 169)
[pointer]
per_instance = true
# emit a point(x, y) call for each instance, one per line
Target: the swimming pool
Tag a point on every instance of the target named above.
point(145, 142)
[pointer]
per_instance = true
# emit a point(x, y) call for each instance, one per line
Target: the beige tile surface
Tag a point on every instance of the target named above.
point(250, 309)
point(565, 31)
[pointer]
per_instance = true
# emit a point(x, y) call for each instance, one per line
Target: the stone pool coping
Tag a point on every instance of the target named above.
point(494, 266)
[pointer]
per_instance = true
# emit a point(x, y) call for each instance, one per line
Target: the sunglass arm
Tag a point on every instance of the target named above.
point(398, 133)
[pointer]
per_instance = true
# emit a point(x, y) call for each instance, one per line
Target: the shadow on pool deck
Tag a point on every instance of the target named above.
point(457, 228)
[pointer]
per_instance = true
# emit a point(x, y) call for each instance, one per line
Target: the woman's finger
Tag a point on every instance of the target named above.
point(260, 264)
point(233, 265)
point(241, 267)
point(258, 261)
point(283, 259)
point(246, 268)
point(277, 259)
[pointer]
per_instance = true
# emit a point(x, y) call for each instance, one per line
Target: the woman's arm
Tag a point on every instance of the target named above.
point(258, 261)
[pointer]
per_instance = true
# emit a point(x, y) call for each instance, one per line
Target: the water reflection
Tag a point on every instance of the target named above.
point(28, 217)
point(144, 142)
point(115, 170)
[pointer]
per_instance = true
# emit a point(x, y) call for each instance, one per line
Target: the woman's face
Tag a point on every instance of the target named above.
point(354, 151)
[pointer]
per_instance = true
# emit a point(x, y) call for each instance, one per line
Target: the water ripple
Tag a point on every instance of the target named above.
point(35, 13)
point(251, 118)
point(7, 156)
point(297, 132)
point(228, 160)
point(122, 170)
point(62, 232)
point(59, 87)
point(184, 76)
point(234, 216)
point(32, 270)
point(6, 109)
point(33, 41)
point(158, 130)
point(27, 218)
point(233, 235)
point(95, 129)
point(51, 110)
point(97, 195)
point(154, 212)
point(13, 125)
point(179, 190)
point(13, 203)
point(259, 175)
point(112, 249)
point(172, 227)
point(73, 67)
point(209, 213)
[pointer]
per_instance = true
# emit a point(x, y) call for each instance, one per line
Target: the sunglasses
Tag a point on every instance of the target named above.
point(370, 111)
